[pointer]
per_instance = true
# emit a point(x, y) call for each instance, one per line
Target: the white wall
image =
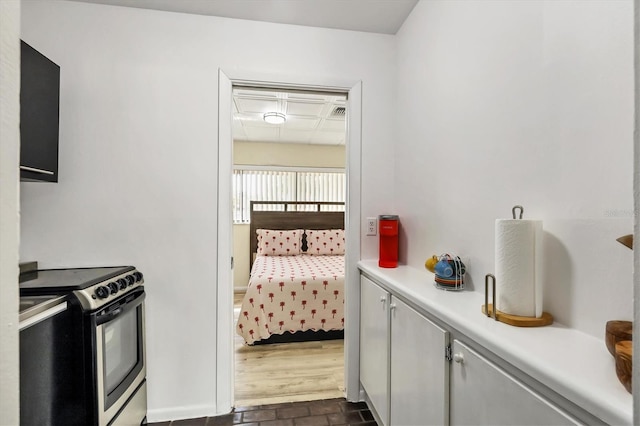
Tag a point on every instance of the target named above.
point(531, 103)
point(9, 211)
point(288, 154)
point(138, 155)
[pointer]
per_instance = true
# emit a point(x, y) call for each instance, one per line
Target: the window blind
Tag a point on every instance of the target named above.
point(283, 185)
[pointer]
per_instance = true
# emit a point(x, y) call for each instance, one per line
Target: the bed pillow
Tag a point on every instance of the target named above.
point(325, 241)
point(275, 242)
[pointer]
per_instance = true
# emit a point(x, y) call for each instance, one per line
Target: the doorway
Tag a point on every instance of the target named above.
point(288, 146)
point(224, 304)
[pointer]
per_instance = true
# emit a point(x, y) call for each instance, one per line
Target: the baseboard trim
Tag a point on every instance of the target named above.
point(182, 413)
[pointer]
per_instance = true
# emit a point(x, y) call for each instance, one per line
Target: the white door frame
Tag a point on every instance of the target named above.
point(224, 295)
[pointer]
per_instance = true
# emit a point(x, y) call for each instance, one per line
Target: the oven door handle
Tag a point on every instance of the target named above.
point(121, 310)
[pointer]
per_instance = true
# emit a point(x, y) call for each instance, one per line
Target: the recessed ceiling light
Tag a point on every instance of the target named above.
point(274, 117)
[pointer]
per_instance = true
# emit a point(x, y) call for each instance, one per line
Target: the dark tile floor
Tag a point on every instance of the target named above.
point(327, 412)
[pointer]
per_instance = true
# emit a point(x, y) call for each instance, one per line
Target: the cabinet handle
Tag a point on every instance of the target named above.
point(383, 299)
point(392, 306)
point(459, 358)
point(34, 170)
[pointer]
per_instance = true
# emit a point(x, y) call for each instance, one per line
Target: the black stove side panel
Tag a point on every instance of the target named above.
point(53, 371)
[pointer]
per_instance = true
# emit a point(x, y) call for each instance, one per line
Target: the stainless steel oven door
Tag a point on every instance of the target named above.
point(120, 360)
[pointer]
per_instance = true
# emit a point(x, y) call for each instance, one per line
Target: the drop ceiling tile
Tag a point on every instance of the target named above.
point(332, 126)
point(249, 117)
point(261, 125)
point(256, 105)
point(305, 108)
point(298, 123)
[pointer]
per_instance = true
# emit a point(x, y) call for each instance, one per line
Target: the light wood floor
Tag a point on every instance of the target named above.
point(287, 372)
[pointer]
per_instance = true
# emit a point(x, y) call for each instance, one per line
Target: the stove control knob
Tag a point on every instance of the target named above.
point(122, 283)
point(113, 287)
point(102, 292)
point(130, 279)
point(138, 275)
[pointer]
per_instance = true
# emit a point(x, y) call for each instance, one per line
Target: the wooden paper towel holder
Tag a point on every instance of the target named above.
point(515, 320)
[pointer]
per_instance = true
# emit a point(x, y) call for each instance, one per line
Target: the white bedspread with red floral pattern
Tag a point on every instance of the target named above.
point(292, 293)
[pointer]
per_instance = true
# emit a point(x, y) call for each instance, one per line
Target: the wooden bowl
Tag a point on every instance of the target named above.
point(624, 362)
point(617, 331)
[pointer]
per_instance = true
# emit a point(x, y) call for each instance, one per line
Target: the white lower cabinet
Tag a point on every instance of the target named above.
point(419, 369)
point(374, 346)
point(403, 368)
point(410, 381)
point(484, 394)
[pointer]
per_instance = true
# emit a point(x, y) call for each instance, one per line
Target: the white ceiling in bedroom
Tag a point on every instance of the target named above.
point(311, 117)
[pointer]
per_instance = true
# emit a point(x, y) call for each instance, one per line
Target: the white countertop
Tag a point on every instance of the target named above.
point(574, 364)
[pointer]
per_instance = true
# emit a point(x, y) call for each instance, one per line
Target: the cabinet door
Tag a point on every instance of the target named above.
point(483, 394)
point(374, 346)
point(39, 112)
point(419, 369)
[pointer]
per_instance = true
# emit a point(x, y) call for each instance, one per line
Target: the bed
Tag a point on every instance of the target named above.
point(296, 285)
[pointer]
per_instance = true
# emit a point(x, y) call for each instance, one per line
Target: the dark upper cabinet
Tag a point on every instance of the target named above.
point(39, 116)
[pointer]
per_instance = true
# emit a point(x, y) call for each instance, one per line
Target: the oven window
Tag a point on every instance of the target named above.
point(121, 348)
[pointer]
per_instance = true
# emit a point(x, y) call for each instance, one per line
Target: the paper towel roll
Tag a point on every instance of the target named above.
point(518, 266)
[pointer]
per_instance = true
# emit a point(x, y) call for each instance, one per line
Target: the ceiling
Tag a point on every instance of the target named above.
point(311, 118)
point(376, 16)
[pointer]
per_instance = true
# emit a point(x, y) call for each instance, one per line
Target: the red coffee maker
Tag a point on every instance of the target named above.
point(388, 241)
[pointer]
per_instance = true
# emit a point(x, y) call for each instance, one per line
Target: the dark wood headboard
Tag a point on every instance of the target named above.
point(289, 216)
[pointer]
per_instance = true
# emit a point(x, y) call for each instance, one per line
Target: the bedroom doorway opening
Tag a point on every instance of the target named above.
point(295, 164)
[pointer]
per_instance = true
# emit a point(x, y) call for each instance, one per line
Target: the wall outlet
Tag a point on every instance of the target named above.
point(372, 226)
